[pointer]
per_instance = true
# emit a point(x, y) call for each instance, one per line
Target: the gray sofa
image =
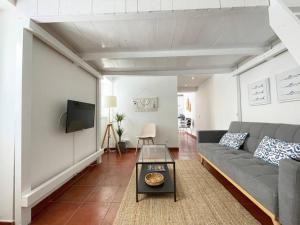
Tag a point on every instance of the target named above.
point(277, 189)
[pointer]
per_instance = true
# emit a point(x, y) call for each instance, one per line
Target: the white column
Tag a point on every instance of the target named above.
point(23, 123)
point(98, 118)
point(239, 99)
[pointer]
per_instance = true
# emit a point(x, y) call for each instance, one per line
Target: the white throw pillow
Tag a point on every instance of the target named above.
point(233, 140)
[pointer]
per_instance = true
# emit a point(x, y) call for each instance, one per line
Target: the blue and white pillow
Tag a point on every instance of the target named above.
point(233, 140)
point(273, 150)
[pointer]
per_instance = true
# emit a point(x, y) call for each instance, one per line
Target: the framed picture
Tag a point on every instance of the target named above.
point(288, 85)
point(259, 92)
point(145, 104)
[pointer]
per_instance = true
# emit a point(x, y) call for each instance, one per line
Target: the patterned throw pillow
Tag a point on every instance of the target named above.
point(273, 150)
point(233, 140)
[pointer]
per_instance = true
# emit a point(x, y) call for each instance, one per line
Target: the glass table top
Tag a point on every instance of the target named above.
point(155, 153)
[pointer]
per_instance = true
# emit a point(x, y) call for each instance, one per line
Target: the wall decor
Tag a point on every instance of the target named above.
point(145, 104)
point(188, 105)
point(259, 92)
point(288, 85)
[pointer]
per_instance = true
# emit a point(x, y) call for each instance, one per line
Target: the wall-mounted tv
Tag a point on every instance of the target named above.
point(80, 116)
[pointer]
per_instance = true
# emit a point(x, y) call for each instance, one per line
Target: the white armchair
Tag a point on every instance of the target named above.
point(147, 134)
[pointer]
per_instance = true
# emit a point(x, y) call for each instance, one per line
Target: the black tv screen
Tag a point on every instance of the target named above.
point(80, 116)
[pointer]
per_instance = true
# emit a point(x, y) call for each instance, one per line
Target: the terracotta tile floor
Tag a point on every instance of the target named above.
point(95, 197)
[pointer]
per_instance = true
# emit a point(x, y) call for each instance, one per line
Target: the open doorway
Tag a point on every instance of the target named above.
point(186, 112)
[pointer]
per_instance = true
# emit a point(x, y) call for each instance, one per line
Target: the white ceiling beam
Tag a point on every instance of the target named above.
point(276, 50)
point(172, 53)
point(67, 10)
point(46, 37)
point(205, 71)
point(186, 89)
point(105, 17)
point(93, 17)
point(286, 26)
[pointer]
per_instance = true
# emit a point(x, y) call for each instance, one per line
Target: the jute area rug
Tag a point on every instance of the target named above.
point(201, 200)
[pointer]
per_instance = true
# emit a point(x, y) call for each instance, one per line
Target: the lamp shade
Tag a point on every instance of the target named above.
point(110, 101)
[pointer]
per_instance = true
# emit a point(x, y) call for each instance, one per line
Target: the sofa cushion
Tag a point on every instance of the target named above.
point(208, 150)
point(233, 140)
point(221, 157)
point(261, 182)
point(255, 176)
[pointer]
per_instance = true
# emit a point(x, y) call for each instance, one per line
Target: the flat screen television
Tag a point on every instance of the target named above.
point(80, 115)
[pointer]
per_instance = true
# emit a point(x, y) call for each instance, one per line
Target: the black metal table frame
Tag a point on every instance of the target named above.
point(154, 192)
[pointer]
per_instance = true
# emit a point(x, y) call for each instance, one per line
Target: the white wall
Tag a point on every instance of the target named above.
point(216, 103)
point(48, 150)
point(275, 112)
point(55, 80)
point(165, 88)
point(203, 107)
point(8, 40)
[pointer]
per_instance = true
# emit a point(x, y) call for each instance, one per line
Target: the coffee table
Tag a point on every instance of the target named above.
point(149, 157)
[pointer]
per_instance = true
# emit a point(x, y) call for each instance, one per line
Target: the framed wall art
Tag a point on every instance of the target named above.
point(145, 104)
point(259, 92)
point(288, 85)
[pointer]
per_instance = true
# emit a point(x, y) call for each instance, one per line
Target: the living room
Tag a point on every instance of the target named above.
point(91, 131)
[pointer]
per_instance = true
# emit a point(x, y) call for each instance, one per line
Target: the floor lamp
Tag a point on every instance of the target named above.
point(110, 102)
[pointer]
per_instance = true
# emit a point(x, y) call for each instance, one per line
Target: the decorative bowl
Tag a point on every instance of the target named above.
point(154, 179)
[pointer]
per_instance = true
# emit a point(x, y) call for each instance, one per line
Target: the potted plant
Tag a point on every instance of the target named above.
point(119, 117)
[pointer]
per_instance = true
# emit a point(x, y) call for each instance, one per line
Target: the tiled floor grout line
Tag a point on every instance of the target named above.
point(73, 214)
point(81, 204)
point(110, 205)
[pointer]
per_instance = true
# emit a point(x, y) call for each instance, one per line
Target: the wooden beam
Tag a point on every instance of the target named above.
point(172, 53)
point(276, 50)
point(214, 70)
point(46, 37)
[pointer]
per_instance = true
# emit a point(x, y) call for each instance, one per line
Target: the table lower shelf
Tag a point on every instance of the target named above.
point(167, 187)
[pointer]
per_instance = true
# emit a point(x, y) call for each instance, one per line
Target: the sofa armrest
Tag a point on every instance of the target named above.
point(289, 192)
point(210, 136)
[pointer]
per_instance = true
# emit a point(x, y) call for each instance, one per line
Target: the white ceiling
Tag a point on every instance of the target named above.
point(196, 29)
point(200, 29)
point(191, 81)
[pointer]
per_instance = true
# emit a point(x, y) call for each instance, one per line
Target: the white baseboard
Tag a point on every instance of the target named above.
point(45, 189)
point(7, 221)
